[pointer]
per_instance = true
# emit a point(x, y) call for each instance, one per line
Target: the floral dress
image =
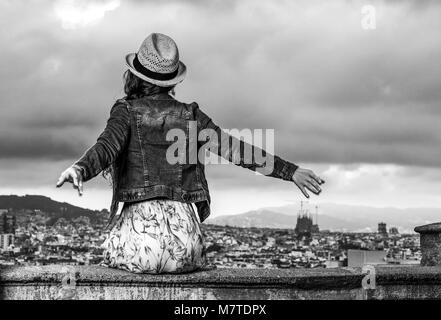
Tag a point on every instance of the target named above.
point(155, 236)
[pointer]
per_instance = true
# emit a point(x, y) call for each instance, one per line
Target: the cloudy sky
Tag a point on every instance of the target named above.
point(360, 107)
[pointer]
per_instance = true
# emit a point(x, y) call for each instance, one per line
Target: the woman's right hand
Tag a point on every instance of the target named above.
point(307, 179)
point(72, 175)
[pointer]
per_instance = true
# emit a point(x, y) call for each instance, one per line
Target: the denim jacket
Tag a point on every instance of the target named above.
point(134, 145)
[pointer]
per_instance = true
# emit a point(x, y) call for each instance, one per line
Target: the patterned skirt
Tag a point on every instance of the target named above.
point(155, 236)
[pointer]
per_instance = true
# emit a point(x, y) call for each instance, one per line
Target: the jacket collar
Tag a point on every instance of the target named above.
point(159, 96)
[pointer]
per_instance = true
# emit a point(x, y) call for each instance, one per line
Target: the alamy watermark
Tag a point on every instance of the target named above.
point(368, 17)
point(237, 146)
point(67, 291)
point(369, 280)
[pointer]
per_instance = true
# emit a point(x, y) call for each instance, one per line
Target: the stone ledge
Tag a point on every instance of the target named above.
point(429, 228)
point(94, 282)
point(95, 275)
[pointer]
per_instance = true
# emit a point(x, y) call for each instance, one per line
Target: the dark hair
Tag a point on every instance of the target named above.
point(135, 87)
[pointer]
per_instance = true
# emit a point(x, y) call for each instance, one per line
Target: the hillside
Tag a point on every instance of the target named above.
point(48, 206)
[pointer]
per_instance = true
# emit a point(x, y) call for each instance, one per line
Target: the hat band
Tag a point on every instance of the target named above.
point(151, 74)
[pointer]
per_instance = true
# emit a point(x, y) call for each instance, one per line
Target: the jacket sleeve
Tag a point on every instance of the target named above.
point(109, 144)
point(242, 153)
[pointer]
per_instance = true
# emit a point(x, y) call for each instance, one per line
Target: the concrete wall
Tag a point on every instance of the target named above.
point(93, 282)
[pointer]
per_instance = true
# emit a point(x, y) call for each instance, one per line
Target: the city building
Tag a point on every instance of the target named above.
point(6, 240)
point(305, 226)
point(382, 229)
point(7, 222)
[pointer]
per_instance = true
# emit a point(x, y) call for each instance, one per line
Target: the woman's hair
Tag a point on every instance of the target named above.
point(135, 87)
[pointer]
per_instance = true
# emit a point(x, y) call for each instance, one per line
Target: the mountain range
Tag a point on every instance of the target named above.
point(335, 217)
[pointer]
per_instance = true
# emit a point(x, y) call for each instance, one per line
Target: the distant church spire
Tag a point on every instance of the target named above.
point(316, 215)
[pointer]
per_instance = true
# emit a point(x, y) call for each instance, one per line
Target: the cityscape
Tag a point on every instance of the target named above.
point(35, 237)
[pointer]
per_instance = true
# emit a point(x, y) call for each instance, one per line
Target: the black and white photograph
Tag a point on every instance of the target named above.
point(197, 153)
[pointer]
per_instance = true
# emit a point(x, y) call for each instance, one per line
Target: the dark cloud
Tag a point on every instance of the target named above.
point(39, 146)
point(334, 92)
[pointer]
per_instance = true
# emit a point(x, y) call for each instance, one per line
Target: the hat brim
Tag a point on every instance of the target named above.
point(182, 71)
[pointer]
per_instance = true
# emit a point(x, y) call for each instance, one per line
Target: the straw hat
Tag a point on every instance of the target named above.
point(157, 61)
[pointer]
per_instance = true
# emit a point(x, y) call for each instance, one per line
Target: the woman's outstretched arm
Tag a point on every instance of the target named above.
point(244, 154)
point(104, 152)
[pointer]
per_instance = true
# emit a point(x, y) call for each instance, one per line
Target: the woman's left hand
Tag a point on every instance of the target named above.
point(307, 179)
